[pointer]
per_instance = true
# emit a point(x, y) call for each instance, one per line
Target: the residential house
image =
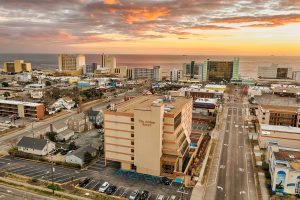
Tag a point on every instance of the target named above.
point(62, 130)
point(77, 156)
point(79, 123)
point(96, 117)
point(35, 146)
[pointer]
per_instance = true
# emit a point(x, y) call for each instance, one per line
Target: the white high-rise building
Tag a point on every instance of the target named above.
point(175, 75)
point(70, 62)
point(156, 73)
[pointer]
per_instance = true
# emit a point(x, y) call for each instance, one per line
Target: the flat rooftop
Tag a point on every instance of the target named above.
point(275, 100)
point(144, 102)
point(287, 129)
point(12, 102)
point(293, 157)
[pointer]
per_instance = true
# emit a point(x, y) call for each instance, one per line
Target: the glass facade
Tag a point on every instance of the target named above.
point(219, 71)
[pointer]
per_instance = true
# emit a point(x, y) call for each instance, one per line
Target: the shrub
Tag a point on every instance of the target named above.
point(265, 166)
point(267, 174)
point(54, 187)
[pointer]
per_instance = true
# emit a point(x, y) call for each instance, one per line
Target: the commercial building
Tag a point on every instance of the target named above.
point(90, 69)
point(278, 115)
point(175, 75)
point(296, 76)
point(144, 73)
point(108, 61)
point(283, 135)
point(71, 63)
point(150, 134)
point(284, 168)
point(192, 70)
point(22, 109)
point(274, 72)
point(220, 71)
point(17, 66)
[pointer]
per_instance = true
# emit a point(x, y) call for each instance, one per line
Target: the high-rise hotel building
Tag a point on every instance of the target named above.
point(70, 63)
point(150, 134)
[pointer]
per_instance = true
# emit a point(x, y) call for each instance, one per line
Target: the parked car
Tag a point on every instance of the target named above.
point(84, 182)
point(160, 197)
point(104, 187)
point(144, 195)
point(111, 189)
point(165, 181)
point(134, 195)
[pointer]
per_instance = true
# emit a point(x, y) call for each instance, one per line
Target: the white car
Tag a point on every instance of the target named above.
point(104, 187)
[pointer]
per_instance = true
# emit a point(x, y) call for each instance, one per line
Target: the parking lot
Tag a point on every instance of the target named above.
point(98, 174)
point(200, 126)
point(39, 170)
point(124, 191)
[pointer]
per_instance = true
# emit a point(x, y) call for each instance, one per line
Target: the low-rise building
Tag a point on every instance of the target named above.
point(65, 135)
point(165, 123)
point(22, 109)
point(283, 135)
point(35, 146)
point(96, 117)
point(79, 123)
point(77, 156)
point(274, 72)
point(284, 167)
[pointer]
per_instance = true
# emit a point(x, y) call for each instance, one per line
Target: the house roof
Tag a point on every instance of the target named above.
point(30, 142)
point(92, 112)
point(65, 132)
point(59, 124)
point(79, 153)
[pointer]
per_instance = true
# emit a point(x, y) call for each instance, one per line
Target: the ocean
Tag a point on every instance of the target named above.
point(248, 64)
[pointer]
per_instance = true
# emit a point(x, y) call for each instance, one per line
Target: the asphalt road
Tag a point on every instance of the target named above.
point(7, 193)
point(232, 176)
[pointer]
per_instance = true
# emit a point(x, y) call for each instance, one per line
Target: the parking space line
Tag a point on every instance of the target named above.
point(124, 192)
point(92, 181)
point(97, 185)
point(22, 170)
point(36, 171)
point(59, 177)
point(41, 175)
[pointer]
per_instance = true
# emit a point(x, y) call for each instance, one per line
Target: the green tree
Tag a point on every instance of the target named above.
point(72, 146)
point(5, 84)
point(88, 157)
point(48, 83)
point(51, 136)
point(6, 94)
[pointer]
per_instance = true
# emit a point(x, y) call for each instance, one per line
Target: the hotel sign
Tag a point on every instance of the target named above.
point(146, 123)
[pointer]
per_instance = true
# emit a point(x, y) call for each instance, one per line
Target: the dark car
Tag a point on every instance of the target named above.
point(111, 189)
point(144, 195)
point(64, 152)
point(84, 182)
point(165, 181)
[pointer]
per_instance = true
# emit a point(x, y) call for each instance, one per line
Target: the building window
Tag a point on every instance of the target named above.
point(132, 150)
point(132, 158)
point(132, 142)
point(132, 135)
point(132, 119)
point(263, 118)
point(132, 127)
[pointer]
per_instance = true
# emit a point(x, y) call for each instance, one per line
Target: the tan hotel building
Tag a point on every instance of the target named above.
point(149, 134)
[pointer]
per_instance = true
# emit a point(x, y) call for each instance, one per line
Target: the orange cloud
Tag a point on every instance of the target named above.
point(136, 15)
point(263, 21)
point(211, 27)
point(111, 2)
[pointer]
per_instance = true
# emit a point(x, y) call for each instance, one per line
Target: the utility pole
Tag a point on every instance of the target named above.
point(52, 174)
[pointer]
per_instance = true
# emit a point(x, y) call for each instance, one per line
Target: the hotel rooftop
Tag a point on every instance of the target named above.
point(292, 156)
point(172, 104)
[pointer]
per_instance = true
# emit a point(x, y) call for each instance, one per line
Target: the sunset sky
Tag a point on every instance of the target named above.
point(206, 27)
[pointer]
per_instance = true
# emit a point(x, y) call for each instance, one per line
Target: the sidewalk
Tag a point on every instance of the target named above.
point(262, 182)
